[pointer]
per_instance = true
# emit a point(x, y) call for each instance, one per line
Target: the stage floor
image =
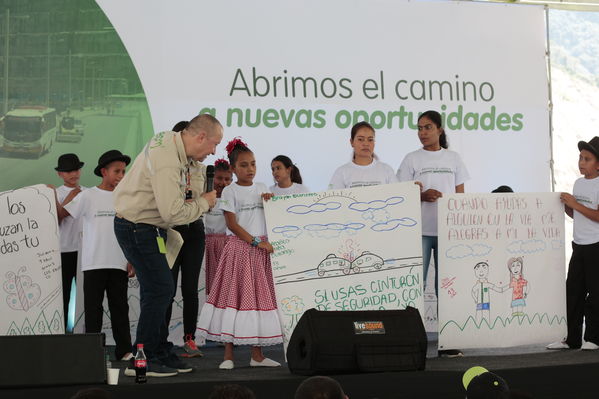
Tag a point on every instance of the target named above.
point(530, 369)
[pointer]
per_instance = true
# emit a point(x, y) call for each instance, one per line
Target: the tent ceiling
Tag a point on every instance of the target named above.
point(573, 5)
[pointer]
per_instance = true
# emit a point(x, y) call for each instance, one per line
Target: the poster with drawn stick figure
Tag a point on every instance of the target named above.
point(501, 270)
point(31, 294)
point(351, 249)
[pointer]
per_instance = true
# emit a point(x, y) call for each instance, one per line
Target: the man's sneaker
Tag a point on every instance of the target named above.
point(558, 345)
point(153, 370)
point(190, 348)
point(589, 346)
point(450, 353)
point(173, 361)
point(128, 356)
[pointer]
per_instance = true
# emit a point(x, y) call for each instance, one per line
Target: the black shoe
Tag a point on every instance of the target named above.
point(173, 361)
point(153, 370)
point(450, 353)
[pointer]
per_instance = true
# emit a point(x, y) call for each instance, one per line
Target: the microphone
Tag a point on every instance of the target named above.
point(209, 178)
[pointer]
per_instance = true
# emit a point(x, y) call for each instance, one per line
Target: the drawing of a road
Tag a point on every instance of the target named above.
point(333, 267)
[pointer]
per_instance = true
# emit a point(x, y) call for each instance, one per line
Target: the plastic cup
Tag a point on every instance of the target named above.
point(113, 376)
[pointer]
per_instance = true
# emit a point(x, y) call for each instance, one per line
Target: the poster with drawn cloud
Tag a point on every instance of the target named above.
point(351, 249)
point(31, 293)
point(502, 270)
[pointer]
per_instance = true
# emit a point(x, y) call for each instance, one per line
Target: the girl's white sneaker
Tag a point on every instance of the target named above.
point(558, 345)
point(227, 365)
point(264, 363)
point(589, 346)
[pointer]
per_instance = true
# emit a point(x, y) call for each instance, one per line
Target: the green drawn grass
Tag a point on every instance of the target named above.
point(520, 320)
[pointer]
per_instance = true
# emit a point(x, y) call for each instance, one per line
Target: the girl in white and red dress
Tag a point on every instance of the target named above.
point(241, 308)
point(214, 222)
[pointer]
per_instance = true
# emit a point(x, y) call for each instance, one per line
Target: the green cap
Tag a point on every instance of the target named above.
point(471, 373)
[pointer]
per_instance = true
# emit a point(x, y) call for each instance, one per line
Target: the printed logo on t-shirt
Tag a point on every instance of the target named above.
point(426, 171)
point(250, 207)
point(100, 214)
point(584, 200)
point(364, 183)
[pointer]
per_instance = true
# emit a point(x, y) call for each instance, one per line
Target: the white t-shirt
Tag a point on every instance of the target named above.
point(351, 175)
point(441, 170)
point(70, 228)
point(586, 192)
point(100, 249)
point(246, 203)
point(214, 220)
point(295, 188)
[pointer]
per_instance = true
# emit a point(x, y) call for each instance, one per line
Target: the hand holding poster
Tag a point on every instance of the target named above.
point(501, 270)
point(30, 263)
point(351, 249)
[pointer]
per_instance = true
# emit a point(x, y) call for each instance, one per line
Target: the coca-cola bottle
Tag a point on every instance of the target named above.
point(140, 365)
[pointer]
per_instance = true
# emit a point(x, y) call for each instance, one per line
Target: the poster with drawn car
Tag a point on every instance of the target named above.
point(350, 249)
point(501, 270)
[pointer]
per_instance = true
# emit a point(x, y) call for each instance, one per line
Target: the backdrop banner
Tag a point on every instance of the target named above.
point(292, 78)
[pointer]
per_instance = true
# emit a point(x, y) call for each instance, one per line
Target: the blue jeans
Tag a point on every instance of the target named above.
point(430, 243)
point(156, 286)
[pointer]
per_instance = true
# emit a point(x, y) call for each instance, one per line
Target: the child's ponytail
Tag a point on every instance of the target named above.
point(295, 174)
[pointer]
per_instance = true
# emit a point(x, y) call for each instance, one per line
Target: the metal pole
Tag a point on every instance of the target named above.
point(550, 104)
point(48, 73)
point(6, 63)
point(70, 81)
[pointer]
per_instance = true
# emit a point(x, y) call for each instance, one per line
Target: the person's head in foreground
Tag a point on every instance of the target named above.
point(231, 391)
point(319, 387)
point(92, 393)
point(480, 383)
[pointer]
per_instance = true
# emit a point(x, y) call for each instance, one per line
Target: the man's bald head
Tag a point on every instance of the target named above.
point(204, 123)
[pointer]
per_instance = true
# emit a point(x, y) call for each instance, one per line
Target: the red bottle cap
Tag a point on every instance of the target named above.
point(140, 346)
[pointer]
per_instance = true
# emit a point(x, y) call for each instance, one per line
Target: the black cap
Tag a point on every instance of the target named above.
point(592, 146)
point(488, 386)
point(68, 163)
point(108, 157)
point(503, 189)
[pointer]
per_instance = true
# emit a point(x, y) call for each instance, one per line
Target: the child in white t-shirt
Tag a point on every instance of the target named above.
point(104, 266)
point(288, 179)
point(437, 170)
point(69, 170)
point(214, 222)
point(364, 169)
point(582, 285)
point(242, 308)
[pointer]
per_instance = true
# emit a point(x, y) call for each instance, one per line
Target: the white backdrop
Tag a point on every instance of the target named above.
point(191, 55)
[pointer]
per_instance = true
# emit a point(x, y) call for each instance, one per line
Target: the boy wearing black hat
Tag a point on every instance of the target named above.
point(582, 285)
point(104, 266)
point(69, 170)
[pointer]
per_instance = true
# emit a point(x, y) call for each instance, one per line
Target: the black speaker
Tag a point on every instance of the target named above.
point(42, 360)
point(357, 341)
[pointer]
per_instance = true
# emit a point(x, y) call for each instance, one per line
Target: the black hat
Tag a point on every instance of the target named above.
point(108, 157)
point(503, 189)
point(68, 163)
point(592, 146)
point(487, 386)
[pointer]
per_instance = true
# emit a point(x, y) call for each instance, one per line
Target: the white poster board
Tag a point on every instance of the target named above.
point(502, 265)
point(30, 263)
point(351, 249)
